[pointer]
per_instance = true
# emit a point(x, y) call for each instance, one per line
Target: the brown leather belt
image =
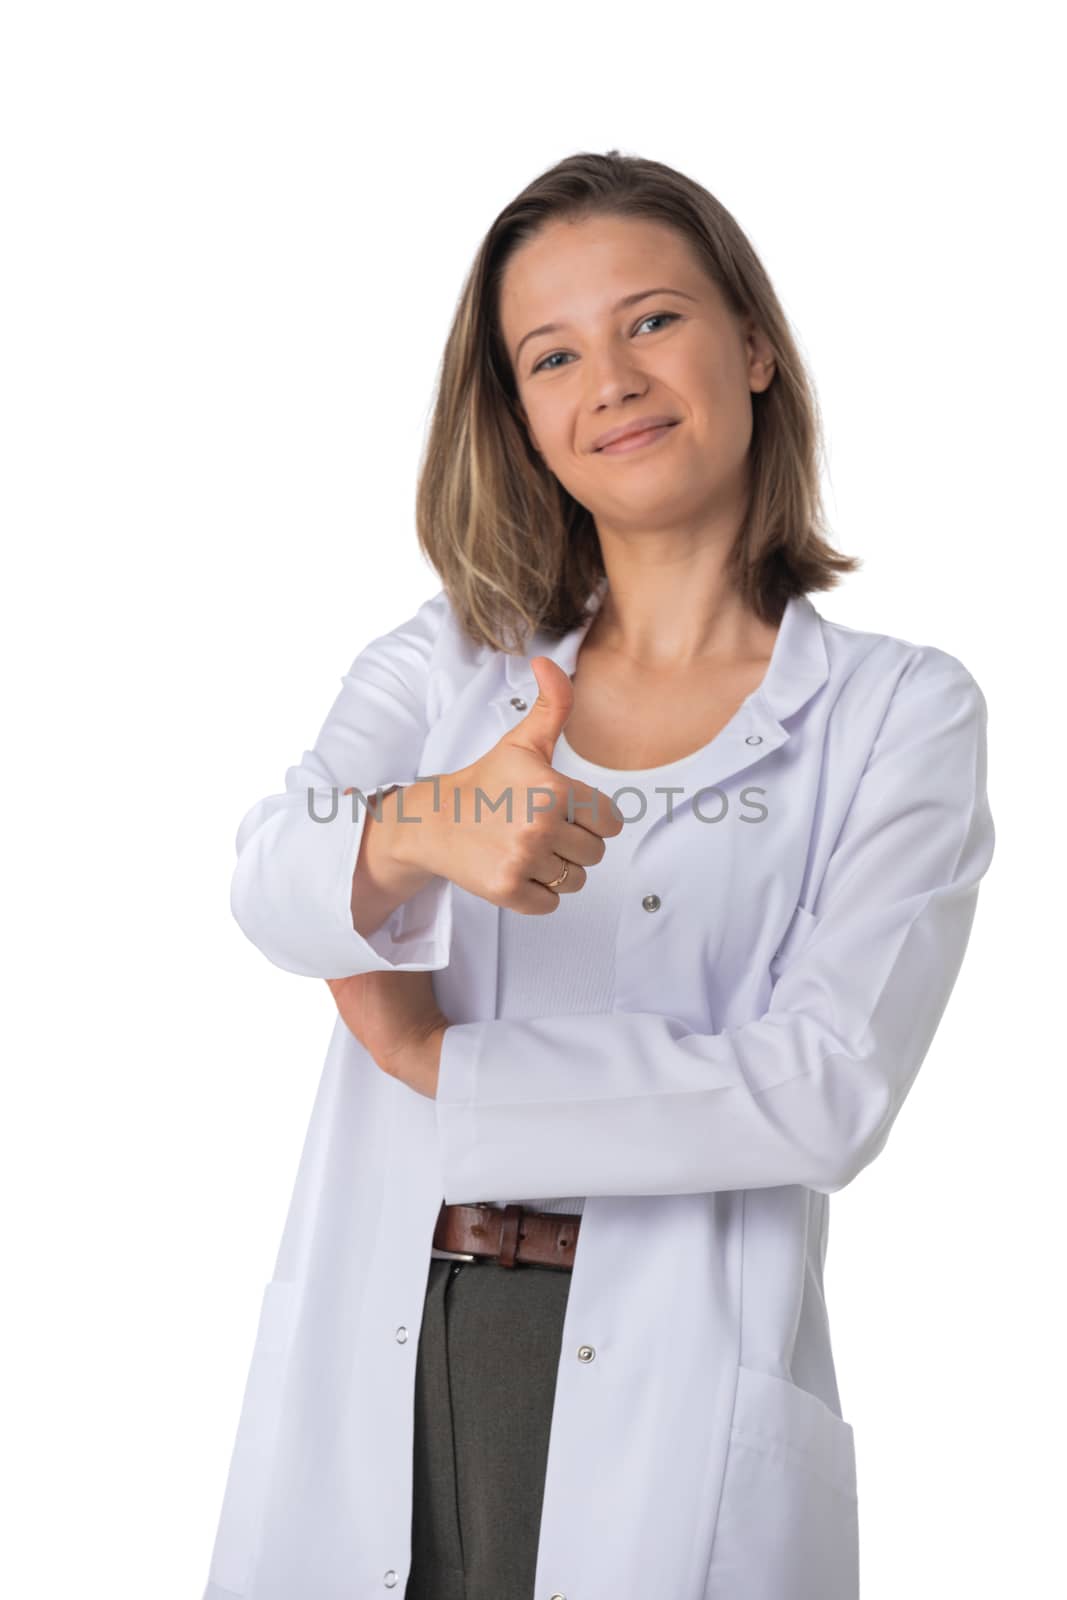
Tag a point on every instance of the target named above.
point(510, 1235)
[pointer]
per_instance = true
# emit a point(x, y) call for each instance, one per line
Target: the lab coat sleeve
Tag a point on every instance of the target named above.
point(636, 1103)
point(291, 890)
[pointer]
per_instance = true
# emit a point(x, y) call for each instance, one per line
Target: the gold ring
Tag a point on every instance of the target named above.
point(562, 877)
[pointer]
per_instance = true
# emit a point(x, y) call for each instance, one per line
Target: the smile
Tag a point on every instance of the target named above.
point(635, 441)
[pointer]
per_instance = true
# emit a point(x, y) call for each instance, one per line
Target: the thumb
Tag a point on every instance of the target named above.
point(539, 730)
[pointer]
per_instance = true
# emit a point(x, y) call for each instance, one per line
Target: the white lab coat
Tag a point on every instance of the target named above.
point(779, 982)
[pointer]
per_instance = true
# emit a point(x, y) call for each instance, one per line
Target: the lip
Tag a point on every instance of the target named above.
point(639, 425)
point(632, 442)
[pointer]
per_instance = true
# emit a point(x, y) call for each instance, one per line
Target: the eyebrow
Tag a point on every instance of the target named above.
point(620, 305)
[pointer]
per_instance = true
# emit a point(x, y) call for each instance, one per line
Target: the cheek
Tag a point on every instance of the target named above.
point(559, 439)
point(709, 384)
point(725, 408)
point(548, 431)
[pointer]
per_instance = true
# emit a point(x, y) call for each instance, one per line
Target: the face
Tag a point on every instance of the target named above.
point(677, 353)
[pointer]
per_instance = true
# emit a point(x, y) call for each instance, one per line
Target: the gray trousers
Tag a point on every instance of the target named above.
point(484, 1387)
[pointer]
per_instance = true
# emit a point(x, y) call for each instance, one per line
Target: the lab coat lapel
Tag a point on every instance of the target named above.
point(798, 668)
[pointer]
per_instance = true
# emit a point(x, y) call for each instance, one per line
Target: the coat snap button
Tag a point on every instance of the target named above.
point(401, 1335)
point(754, 738)
point(390, 1579)
point(520, 705)
point(651, 902)
point(586, 1352)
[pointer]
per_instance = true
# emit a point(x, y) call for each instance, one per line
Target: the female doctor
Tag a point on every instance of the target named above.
point(636, 948)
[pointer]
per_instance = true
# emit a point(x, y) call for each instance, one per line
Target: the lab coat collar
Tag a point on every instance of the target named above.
point(798, 665)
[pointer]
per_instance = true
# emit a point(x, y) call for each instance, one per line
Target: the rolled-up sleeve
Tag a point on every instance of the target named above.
point(630, 1103)
point(291, 890)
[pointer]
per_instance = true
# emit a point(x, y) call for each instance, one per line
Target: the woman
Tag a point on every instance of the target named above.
point(660, 889)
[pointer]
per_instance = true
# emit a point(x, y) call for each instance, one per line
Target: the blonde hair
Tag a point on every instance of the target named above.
point(512, 547)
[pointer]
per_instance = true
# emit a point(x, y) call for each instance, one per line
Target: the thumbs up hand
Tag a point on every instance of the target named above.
point(542, 818)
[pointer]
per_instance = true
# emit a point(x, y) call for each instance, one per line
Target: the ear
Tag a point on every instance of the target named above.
point(761, 361)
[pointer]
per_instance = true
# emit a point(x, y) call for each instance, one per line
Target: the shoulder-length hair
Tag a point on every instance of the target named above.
point(514, 550)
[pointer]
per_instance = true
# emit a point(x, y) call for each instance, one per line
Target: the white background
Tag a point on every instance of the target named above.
point(234, 239)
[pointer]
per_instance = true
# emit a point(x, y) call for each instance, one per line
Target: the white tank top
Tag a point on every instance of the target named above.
point(565, 963)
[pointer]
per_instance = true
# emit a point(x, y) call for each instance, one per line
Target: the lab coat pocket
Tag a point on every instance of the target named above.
point(250, 1463)
point(787, 1526)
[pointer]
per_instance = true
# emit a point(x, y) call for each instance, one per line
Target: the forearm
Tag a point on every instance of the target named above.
point(388, 868)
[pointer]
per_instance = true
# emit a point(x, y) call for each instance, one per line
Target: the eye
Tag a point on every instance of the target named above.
point(544, 363)
point(659, 316)
point(653, 316)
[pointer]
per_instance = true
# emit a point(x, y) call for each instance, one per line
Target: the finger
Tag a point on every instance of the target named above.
point(591, 809)
point(541, 727)
point(553, 866)
point(575, 843)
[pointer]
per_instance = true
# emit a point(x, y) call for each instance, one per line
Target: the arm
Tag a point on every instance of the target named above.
point(637, 1103)
point(385, 874)
point(296, 891)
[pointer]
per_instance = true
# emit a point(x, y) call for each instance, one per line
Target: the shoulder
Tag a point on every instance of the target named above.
point(433, 651)
point(886, 669)
point(905, 732)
